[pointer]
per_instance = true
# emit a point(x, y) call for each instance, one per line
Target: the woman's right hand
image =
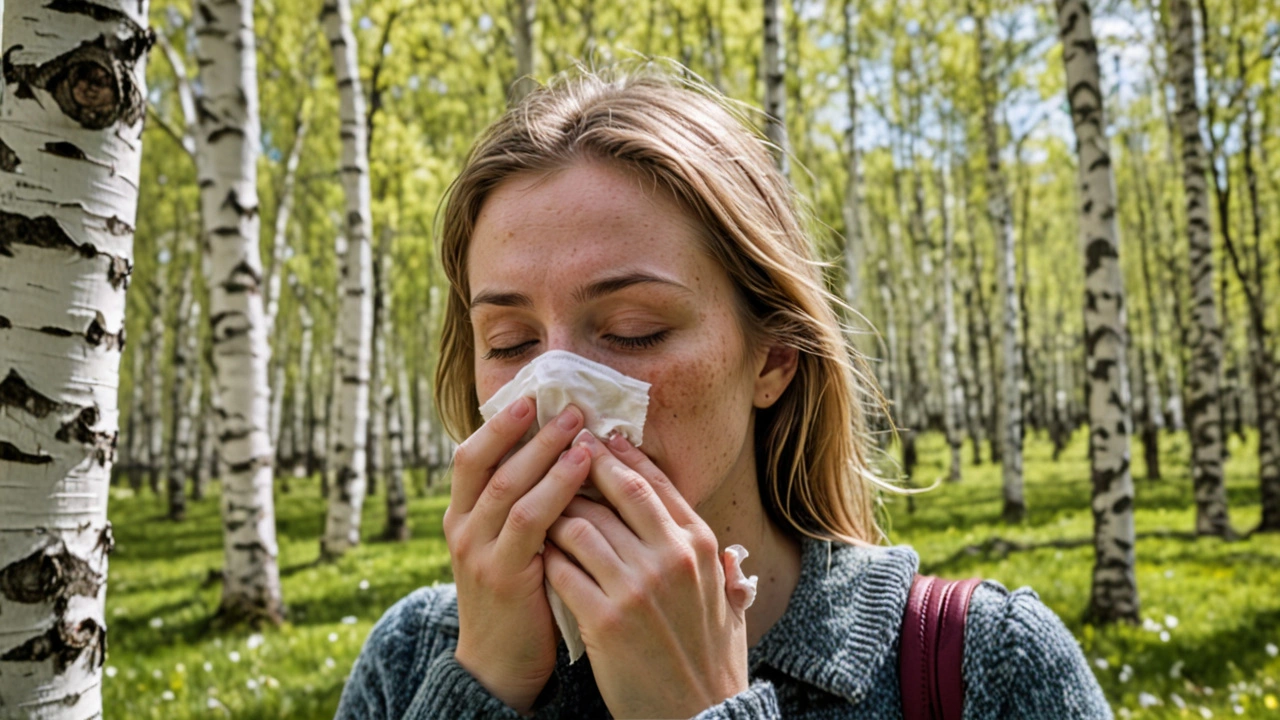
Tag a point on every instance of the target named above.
point(497, 520)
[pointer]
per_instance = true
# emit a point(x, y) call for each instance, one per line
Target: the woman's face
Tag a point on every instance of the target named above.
point(585, 259)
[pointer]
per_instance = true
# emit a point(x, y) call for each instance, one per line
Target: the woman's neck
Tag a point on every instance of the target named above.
point(737, 516)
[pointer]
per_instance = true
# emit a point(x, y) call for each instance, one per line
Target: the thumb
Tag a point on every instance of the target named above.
point(740, 589)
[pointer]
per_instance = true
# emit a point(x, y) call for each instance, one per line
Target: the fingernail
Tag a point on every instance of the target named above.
point(585, 438)
point(618, 441)
point(575, 455)
point(568, 419)
point(520, 408)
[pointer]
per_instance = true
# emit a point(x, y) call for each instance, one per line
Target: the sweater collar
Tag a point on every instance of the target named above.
point(843, 620)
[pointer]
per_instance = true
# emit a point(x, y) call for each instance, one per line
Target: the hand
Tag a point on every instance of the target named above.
point(648, 590)
point(496, 523)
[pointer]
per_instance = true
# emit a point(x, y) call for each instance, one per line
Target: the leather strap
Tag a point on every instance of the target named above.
point(931, 652)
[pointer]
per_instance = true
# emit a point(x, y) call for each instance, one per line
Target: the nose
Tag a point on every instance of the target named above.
point(569, 339)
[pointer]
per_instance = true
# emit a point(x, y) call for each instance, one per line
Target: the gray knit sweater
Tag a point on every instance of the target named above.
point(833, 654)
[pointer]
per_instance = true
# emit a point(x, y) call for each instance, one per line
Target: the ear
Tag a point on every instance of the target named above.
point(775, 372)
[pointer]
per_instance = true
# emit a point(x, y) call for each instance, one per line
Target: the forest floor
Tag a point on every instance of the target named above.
point(1207, 645)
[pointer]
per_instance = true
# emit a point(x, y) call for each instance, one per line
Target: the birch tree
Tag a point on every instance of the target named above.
point(854, 237)
point(1002, 221)
point(524, 14)
point(347, 462)
point(1204, 403)
point(775, 85)
point(70, 153)
point(185, 365)
point(227, 145)
point(1114, 593)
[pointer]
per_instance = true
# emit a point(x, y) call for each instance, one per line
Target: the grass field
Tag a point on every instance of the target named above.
point(1207, 646)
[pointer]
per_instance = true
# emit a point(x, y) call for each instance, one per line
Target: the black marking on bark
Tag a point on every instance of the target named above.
point(244, 278)
point(64, 644)
point(43, 232)
point(118, 273)
point(65, 149)
point(101, 445)
point(51, 574)
point(233, 201)
point(4, 323)
point(93, 83)
point(10, 453)
point(9, 160)
point(220, 133)
point(15, 392)
point(118, 227)
point(56, 331)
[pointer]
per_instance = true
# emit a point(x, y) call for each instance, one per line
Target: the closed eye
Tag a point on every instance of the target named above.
point(508, 353)
point(638, 343)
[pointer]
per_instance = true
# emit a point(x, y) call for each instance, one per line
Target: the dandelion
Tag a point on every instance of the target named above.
point(1272, 650)
point(349, 620)
point(111, 671)
point(180, 668)
point(156, 623)
point(1164, 636)
point(1271, 702)
point(1146, 700)
point(251, 684)
point(166, 695)
point(333, 637)
point(208, 667)
point(1170, 622)
point(233, 656)
point(364, 584)
point(157, 674)
point(1101, 663)
point(255, 641)
point(1237, 709)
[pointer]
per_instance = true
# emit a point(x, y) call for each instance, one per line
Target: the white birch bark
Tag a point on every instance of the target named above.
point(137, 419)
point(195, 399)
point(155, 365)
point(953, 400)
point(855, 250)
point(1114, 594)
point(70, 150)
point(1204, 403)
point(185, 363)
point(302, 390)
point(524, 15)
point(1007, 273)
point(227, 145)
point(280, 253)
point(775, 86)
point(347, 463)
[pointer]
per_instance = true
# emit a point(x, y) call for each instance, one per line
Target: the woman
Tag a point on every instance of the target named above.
point(642, 225)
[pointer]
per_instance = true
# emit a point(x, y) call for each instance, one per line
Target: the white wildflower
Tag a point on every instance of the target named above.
point(329, 663)
point(1170, 622)
point(1177, 700)
point(111, 671)
point(1272, 650)
point(1126, 673)
point(156, 623)
point(1101, 663)
point(255, 641)
point(251, 684)
point(157, 674)
point(180, 668)
point(1175, 670)
point(1164, 636)
point(1205, 712)
point(1146, 700)
point(166, 695)
point(233, 656)
point(349, 620)
point(1168, 574)
point(1237, 709)
point(364, 584)
point(208, 667)
point(333, 637)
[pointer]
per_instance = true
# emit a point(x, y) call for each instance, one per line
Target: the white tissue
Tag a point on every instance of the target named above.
point(609, 400)
point(736, 580)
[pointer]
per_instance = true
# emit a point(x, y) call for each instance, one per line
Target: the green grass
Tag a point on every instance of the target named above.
point(1218, 602)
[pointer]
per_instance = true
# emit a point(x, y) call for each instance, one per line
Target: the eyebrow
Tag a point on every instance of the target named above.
point(593, 291)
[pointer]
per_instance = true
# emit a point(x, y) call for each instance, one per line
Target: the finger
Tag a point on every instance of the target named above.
point(587, 545)
point(522, 471)
point(526, 527)
point(633, 458)
point(630, 493)
point(620, 537)
point(478, 456)
point(575, 587)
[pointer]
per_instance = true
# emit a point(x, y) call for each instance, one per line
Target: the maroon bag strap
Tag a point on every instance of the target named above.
point(932, 648)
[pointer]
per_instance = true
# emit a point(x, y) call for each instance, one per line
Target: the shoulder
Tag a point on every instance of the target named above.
point(397, 652)
point(1021, 661)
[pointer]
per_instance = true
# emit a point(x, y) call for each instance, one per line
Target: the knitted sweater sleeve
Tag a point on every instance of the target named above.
point(1021, 662)
point(407, 669)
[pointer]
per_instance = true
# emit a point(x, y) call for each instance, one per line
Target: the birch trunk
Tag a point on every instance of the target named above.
point(70, 150)
point(1204, 404)
point(227, 151)
point(207, 467)
point(397, 529)
point(302, 391)
point(953, 401)
point(1114, 594)
point(346, 496)
point(155, 372)
point(775, 86)
point(524, 14)
point(376, 435)
point(137, 420)
point(1002, 221)
point(855, 239)
point(184, 362)
point(195, 400)
point(279, 254)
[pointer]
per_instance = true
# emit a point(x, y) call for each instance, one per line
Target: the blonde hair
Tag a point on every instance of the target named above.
point(686, 139)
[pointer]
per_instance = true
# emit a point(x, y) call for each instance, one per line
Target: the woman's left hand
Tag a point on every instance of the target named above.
point(648, 589)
